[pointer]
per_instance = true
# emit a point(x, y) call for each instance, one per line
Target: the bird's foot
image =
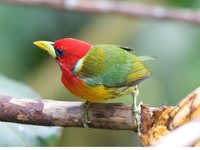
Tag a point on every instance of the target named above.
point(85, 120)
point(136, 110)
point(136, 118)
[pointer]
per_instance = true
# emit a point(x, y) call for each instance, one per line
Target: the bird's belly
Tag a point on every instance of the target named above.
point(93, 94)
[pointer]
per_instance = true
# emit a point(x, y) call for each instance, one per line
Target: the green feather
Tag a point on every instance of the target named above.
point(110, 66)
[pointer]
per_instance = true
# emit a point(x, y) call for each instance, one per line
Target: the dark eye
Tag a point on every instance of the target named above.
point(59, 52)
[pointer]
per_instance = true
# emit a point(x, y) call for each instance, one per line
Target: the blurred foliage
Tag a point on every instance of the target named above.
point(24, 135)
point(175, 45)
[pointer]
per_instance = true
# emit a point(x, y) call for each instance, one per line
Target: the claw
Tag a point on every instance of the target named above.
point(85, 119)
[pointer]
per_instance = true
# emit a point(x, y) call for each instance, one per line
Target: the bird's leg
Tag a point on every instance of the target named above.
point(85, 120)
point(135, 108)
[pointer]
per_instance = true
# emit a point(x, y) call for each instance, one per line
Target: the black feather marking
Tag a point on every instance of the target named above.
point(126, 48)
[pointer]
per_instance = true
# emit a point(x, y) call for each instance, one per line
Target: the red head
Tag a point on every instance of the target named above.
point(67, 51)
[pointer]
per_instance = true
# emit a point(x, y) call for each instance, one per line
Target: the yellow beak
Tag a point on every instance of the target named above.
point(47, 46)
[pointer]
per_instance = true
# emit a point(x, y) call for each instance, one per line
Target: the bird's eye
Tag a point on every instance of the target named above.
point(59, 52)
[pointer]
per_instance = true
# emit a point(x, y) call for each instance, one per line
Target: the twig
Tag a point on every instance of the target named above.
point(122, 8)
point(66, 114)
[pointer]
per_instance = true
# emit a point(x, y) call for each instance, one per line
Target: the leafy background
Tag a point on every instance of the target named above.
point(24, 135)
point(175, 46)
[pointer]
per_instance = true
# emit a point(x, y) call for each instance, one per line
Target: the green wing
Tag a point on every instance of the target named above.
point(110, 66)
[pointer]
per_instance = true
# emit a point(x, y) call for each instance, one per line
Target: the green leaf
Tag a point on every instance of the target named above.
point(12, 134)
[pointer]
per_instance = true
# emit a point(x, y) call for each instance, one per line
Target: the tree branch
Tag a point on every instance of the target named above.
point(155, 122)
point(122, 8)
point(186, 135)
point(172, 126)
point(66, 114)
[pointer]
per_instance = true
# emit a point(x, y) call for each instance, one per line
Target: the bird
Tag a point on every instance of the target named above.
point(97, 73)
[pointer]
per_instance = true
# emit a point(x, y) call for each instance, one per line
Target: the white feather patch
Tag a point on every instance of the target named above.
point(78, 66)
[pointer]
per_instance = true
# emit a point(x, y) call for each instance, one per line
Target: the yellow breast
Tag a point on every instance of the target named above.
point(99, 93)
point(91, 93)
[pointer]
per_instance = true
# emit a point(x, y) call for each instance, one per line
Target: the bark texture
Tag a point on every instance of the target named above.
point(66, 114)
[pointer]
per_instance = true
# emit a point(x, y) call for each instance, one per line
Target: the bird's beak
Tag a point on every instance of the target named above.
point(47, 46)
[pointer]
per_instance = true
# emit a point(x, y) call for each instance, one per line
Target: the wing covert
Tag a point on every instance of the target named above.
point(110, 66)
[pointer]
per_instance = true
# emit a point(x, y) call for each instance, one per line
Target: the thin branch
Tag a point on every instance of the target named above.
point(66, 114)
point(122, 8)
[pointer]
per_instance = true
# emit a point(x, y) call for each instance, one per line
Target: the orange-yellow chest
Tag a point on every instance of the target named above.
point(80, 89)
